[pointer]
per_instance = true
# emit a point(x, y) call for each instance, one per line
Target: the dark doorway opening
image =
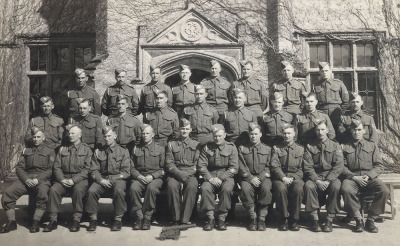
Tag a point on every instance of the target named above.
point(197, 76)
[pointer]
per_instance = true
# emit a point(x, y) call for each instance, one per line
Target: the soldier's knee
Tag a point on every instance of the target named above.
point(309, 185)
point(119, 192)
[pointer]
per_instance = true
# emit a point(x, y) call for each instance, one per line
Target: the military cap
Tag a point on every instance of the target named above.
point(199, 87)
point(237, 91)
point(184, 122)
point(119, 70)
point(70, 126)
point(83, 100)
point(253, 126)
point(323, 64)
point(275, 96)
point(213, 62)
point(107, 129)
point(217, 127)
point(355, 123)
point(78, 71)
point(158, 92)
point(154, 67)
point(183, 67)
point(36, 129)
point(244, 63)
point(285, 64)
point(121, 97)
point(287, 126)
point(353, 96)
point(144, 126)
point(320, 121)
point(45, 99)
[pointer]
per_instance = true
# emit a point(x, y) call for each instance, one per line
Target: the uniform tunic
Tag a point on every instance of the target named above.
point(371, 134)
point(149, 96)
point(305, 126)
point(217, 92)
point(91, 126)
point(165, 124)
point(292, 91)
point(182, 96)
point(53, 127)
point(109, 101)
point(272, 123)
point(236, 122)
point(86, 92)
point(126, 129)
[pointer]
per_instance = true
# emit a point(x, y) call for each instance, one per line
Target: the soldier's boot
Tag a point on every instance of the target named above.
point(51, 226)
point(35, 226)
point(11, 225)
point(328, 226)
point(294, 226)
point(221, 225)
point(116, 226)
point(75, 226)
point(284, 226)
point(210, 223)
point(359, 226)
point(146, 224)
point(252, 225)
point(138, 224)
point(261, 225)
point(316, 227)
point(92, 225)
point(370, 226)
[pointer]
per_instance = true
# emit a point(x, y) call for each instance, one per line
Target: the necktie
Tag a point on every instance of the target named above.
point(287, 159)
point(255, 160)
point(217, 157)
point(322, 156)
point(72, 159)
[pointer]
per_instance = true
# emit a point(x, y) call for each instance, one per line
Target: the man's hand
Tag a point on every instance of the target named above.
point(30, 183)
point(287, 181)
point(65, 183)
point(142, 180)
point(322, 185)
point(255, 182)
point(360, 180)
point(185, 177)
point(215, 182)
point(149, 179)
point(105, 183)
point(71, 182)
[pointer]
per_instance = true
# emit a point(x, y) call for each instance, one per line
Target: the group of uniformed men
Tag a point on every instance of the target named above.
point(219, 131)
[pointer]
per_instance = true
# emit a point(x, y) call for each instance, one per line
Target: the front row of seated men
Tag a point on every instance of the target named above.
point(260, 170)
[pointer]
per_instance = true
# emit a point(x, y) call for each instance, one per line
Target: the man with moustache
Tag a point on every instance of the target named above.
point(183, 93)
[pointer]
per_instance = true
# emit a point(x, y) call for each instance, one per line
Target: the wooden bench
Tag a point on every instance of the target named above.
point(391, 180)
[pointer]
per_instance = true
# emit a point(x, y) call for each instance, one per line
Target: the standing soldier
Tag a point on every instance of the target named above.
point(34, 172)
point(363, 164)
point(291, 88)
point(126, 125)
point(109, 102)
point(274, 119)
point(52, 125)
point(357, 113)
point(306, 121)
point(110, 169)
point(254, 172)
point(237, 119)
point(83, 91)
point(218, 164)
point(201, 116)
point(331, 94)
point(71, 169)
point(90, 124)
point(147, 172)
point(255, 89)
point(217, 88)
point(180, 160)
point(323, 163)
point(287, 184)
point(183, 93)
point(148, 95)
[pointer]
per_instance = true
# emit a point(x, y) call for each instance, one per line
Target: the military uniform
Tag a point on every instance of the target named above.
point(256, 94)
point(53, 127)
point(217, 89)
point(149, 95)
point(305, 126)
point(219, 161)
point(202, 117)
point(182, 96)
point(147, 160)
point(287, 161)
point(165, 124)
point(254, 161)
point(72, 162)
point(91, 126)
point(363, 158)
point(180, 160)
point(272, 123)
point(292, 91)
point(370, 134)
point(111, 163)
point(109, 101)
point(126, 128)
point(86, 92)
point(236, 122)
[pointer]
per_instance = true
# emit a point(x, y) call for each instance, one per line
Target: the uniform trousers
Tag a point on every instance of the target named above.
point(149, 191)
point(315, 198)
point(225, 191)
point(288, 198)
point(250, 195)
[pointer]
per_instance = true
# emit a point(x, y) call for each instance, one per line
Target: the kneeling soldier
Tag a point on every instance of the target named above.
point(147, 172)
point(71, 169)
point(218, 164)
point(287, 185)
point(110, 169)
point(254, 172)
point(34, 172)
point(363, 164)
point(181, 159)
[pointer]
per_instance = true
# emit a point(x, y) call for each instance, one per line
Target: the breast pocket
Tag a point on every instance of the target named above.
point(89, 133)
point(254, 93)
point(334, 92)
point(166, 128)
point(294, 92)
point(65, 157)
point(320, 92)
point(296, 164)
point(264, 160)
point(223, 90)
point(102, 160)
point(224, 156)
point(43, 160)
point(129, 131)
point(190, 154)
point(365, 159)
point(327, 164)
point(207, 118)
point(140, 161)
point(270, 125)
point(349, 156)
point(113, 97)
point(154, 160)
point(81, 165)
point(149, 98)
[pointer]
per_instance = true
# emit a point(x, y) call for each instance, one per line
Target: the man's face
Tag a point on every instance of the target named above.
point(200, 96)
point(287, 72)
point(322, 131)
point(122, 106)
point(185, 74)
point(147, 135)
point(288, 135)
point(255, 136)
point(356, 104)
point(121, 77)
point(311, 103)
point(215, 70)
point(74, 134)
point(357, 132)
point(161, 100)
point(84, 109)
point(277, 104)
point(110, 138)
point(185, 131)
point(239, 100)
point(219, 137)
point(47, 107)
point(155, 75)
point(38, 138)
point(246, 70)
point(81, 79)
point(325, 72)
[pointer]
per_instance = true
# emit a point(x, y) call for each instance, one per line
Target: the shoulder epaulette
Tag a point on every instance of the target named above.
point(173, 111)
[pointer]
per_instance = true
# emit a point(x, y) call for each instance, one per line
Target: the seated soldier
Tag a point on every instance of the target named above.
point(34, 173)
point(52, 125)
point(126, 125)
point(147, 172)
point(323, 163)
point(71, 169)
point(363, 164)
point(201, 116)
point(218, 164)
point(254, 172)
point(273, 120)
point(180, 161)
point(110, 170)
point(287, 176)
point(90, 124)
